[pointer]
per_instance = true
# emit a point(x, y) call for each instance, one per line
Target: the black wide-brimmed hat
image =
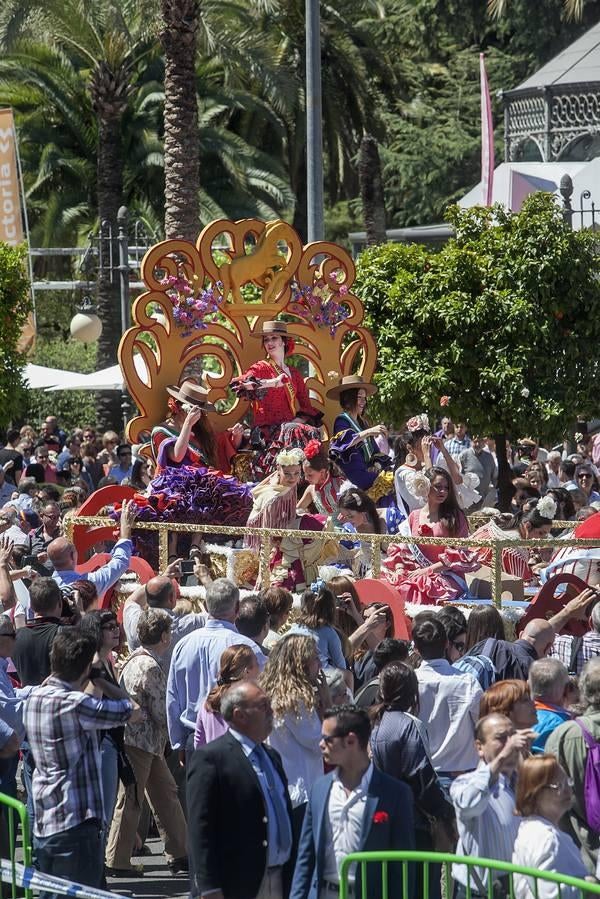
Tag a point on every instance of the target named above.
point(351, 382)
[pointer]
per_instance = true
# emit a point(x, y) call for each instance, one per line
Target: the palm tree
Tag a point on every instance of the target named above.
point(178, 35)
point(371, 190)
point(351, 63)
point(107, 41)
point(573, 9)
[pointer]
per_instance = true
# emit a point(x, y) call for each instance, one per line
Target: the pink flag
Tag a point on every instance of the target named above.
point(487, 137)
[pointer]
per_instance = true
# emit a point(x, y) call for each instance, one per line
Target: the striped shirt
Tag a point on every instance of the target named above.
point(61, 725)
point(563, 647)
point(486, 821)
point(455, 446)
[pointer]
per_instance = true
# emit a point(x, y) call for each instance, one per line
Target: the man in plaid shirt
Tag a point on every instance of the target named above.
point(62, 725)
point(574, 652)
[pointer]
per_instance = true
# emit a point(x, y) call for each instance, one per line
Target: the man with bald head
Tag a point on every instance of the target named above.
point(159, 593)
point(63, 556)
point(513, 660)
point(484, 801)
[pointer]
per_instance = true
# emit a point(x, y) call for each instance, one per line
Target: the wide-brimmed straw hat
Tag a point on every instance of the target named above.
point(351, 382)
point(191, 392)
point(273, 328)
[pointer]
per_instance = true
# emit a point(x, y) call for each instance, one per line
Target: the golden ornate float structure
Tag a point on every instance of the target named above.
point(254, 265)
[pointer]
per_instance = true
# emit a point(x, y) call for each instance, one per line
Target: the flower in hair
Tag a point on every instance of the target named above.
point(418, 423)
point(312, 449)
point(290, 457)
point(444, 401)
point(417, 484)
point(547, 507)
point(357, 499)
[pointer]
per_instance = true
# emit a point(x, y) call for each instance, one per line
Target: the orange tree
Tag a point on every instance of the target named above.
point(504, 320)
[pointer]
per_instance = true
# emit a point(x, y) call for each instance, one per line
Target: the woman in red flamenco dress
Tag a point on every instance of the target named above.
point(283, 416)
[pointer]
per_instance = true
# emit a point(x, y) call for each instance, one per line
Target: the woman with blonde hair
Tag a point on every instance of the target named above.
point(238, 663)
point(296, 685)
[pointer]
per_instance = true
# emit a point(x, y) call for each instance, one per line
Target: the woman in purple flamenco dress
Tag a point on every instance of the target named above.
point(191, 484)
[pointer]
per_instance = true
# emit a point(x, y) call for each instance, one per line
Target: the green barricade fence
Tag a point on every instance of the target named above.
point(11, 810)
point(418, 870)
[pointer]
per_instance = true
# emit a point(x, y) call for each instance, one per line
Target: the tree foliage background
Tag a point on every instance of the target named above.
point(404, 71)
point(14, 309)
point(504, 321)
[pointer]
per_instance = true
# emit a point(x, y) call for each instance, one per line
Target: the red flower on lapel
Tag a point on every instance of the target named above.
point(380, 817)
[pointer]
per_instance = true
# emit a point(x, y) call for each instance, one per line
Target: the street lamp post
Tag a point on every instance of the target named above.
point(123, 268)
point(314, 123)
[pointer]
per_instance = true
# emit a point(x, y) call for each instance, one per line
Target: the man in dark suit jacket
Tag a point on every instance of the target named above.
point(239, 812)
point(356, 808)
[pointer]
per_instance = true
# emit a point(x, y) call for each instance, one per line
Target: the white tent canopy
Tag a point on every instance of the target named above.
point(106, 379)
point(38, 377)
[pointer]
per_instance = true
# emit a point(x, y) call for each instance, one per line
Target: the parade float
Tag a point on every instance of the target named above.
point(199, 339)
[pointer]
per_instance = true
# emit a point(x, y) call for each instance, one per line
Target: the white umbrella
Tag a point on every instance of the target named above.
point(39, 377)
point(106, 379)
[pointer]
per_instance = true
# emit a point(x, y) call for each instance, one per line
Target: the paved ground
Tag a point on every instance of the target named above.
point(157, 880)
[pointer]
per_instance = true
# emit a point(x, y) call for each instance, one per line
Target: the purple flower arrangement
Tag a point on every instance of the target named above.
point(192, 305)
point(320, 304)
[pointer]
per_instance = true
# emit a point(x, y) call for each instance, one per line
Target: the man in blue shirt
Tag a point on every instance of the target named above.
point(63, 556)
point(548, 679)
point(196, 660)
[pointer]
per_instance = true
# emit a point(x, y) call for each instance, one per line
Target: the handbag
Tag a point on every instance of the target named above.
point(125, 769)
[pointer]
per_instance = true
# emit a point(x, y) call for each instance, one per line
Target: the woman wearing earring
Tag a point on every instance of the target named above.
point(283, 415)
point(186, 436)
point(413, 453)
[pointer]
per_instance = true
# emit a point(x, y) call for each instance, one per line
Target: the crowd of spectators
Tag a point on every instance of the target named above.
point(269, 741)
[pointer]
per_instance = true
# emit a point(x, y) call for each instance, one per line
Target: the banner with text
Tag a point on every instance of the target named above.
point(11, 222)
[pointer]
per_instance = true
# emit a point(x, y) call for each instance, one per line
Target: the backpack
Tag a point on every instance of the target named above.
point(591, 781)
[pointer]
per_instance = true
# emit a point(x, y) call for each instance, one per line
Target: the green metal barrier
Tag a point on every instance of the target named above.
point(11, 808)
point(421, 863)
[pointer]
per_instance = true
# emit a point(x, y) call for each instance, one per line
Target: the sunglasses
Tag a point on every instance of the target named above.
point(329, 740)
point(565, 785)
point(110, 627)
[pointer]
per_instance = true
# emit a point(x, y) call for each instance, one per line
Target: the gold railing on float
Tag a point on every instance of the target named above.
point(377, 541)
